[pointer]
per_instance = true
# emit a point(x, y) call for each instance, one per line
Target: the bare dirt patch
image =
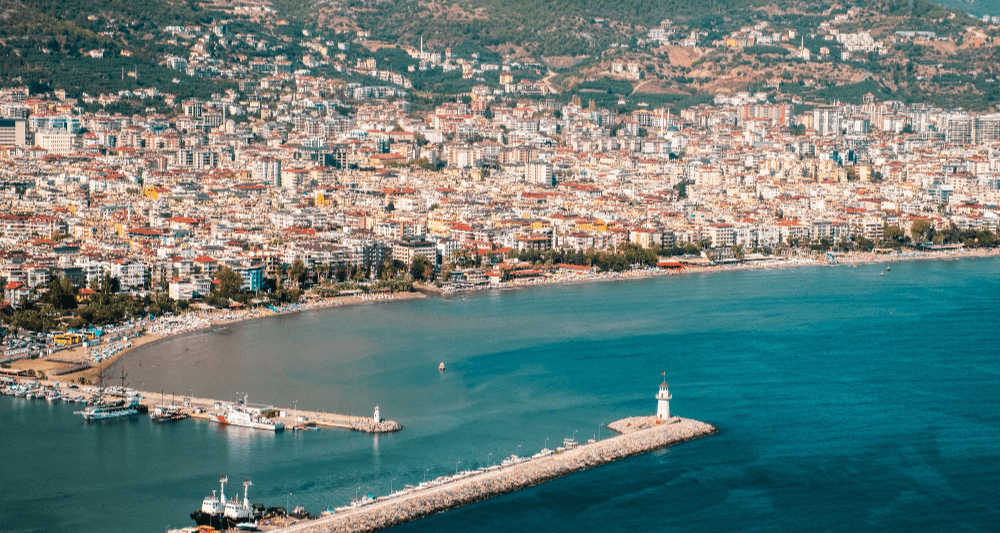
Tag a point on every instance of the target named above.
point(682, 56)
point(561, 62)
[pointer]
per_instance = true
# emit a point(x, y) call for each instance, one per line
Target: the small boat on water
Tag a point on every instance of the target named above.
point(441, 366)
point(888, 268)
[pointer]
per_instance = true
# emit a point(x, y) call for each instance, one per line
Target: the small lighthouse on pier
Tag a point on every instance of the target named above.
point(377, 417)
point(663, 400)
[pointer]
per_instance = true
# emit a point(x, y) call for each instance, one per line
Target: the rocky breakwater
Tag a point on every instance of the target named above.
point(369, 425)
point(641, 435)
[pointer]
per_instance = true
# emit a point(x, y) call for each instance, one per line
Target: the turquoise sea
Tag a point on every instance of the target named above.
point(845, 401)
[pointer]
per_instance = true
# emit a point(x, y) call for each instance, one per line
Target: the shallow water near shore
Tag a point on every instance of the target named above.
point(845, 400)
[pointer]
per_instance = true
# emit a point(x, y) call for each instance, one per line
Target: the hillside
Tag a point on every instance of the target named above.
point(631, 51)
point(54, 43)
point(976, 8)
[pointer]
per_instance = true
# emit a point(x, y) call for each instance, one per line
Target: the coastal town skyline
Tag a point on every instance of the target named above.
point(350, 174)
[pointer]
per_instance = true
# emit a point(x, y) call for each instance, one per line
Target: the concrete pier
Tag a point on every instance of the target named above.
point(292, 417)
point(639, 435)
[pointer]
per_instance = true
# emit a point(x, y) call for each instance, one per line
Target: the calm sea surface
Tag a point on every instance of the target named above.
point(845, 400)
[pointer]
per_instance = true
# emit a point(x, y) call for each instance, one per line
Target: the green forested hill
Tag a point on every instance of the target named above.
point(973, 7)
point(544, 27)
point(46, 42)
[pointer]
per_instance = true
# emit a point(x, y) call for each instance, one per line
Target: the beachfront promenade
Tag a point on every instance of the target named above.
point(640, 435)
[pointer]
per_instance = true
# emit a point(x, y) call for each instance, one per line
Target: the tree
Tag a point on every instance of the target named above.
point(893, 235)
point(681, 188)
point(421, 268)
point(62, 294)
point(921, 230)
point(108, 286)
point(230, 283)
point(297, 273)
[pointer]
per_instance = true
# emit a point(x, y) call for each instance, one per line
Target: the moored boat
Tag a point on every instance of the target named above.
point(211, 512)
point(109, 411)
point(167, 414)
point(243, 415)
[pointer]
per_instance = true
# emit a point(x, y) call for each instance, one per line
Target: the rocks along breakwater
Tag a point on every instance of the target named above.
point(639, 435)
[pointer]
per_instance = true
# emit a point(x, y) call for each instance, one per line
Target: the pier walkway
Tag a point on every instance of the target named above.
point(204, 408)
point(640, 435)
point(292, 418)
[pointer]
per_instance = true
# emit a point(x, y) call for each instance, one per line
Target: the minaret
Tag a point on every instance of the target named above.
point(663, 400)
point(378, 417)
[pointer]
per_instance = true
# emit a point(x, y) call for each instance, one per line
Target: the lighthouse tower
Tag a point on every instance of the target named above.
point(663, 401)
point(378, 417)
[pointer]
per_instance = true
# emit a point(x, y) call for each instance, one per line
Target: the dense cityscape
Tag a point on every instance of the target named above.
point(281, 187)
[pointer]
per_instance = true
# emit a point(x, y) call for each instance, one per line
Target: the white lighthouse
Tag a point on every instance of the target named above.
point(378, 417)
point(663, 401)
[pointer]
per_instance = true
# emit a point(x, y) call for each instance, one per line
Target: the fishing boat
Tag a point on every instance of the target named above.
point(167, 414)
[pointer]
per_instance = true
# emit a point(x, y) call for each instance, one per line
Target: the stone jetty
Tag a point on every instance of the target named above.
point(639, 435)
point(205, 408)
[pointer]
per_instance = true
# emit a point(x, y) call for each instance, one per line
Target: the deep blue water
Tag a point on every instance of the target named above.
point(845, 400)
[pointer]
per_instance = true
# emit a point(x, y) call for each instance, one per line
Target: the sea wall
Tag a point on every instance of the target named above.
point(641, 435)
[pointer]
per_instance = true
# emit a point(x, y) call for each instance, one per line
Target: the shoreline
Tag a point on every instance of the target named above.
point(191, 322)
point(853, 259)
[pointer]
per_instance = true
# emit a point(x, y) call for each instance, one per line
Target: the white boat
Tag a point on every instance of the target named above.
point(243, 416)
point(219, 513)
point(129, 407)
point(237, 512)
point(441, 366)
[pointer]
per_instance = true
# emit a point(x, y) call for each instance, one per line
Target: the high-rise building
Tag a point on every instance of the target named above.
point(267, 171)
point(826, 120)
point(539, 173)
point(13, 133)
